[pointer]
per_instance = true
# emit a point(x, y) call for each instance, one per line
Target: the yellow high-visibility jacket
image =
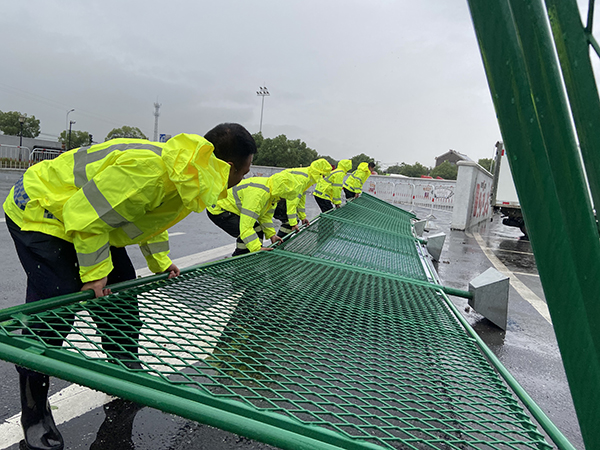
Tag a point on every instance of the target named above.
point(330, 187)
point(254, 200)
point(356, 179)
point(305, 177)
point(120, 192)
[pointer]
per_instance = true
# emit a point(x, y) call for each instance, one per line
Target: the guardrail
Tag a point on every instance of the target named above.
point(14, 157)
point(423, 192)
point(20, 158)
point(41, 154)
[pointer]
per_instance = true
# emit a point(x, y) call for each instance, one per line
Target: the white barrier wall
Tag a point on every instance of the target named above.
point(473, 192)
point(422, 192)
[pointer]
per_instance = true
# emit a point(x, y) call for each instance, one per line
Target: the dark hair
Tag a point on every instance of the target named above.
point(372, 164)
point(232, 142)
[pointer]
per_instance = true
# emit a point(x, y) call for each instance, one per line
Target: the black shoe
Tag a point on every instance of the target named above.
point(38, 424)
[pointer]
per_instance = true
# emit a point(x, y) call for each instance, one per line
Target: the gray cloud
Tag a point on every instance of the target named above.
point(399, 80)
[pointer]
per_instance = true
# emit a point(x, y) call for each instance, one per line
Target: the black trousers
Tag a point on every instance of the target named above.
point(230, 223)
point(325, 205)
point(52, 269)
point(348, 193)
point(281, 214)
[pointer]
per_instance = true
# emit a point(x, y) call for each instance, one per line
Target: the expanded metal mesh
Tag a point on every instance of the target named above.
point(347, 242)
point(330, 352)
point(363, 213)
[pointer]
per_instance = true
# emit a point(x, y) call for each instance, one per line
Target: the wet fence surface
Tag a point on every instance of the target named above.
point(336, 339)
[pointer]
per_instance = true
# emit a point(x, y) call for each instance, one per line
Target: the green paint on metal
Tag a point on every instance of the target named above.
point(522, 71)
point(294, 350)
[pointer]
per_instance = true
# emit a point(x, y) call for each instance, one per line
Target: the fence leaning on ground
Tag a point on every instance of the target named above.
point(337, 339)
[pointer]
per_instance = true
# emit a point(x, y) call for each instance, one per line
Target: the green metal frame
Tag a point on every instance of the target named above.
point(293, 350)
point(520, 60)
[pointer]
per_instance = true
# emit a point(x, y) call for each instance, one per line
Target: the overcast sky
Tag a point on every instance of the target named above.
point(399, 80)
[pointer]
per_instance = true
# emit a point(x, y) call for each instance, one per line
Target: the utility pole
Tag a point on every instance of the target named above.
point(262, 92)
point(69, 142)
point(67, 121)
point(156, 114)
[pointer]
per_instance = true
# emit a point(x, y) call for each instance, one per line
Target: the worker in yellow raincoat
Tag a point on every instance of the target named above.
point(329, 189)
point(355, 181)
point(71, 217)
point(289, 211)
point(247, 211)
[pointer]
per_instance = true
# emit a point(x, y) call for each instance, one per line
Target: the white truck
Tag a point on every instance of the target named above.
point(504, 195)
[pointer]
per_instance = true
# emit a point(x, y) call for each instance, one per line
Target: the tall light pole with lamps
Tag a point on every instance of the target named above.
point(67, 120)
point(262, 92)
point(22, 118)
point(69, 141)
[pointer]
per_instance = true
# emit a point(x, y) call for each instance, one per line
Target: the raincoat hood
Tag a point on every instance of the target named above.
point(345, 165)
point(363, 167)
point(284, 185)
point(199, 176)
point(318, 169)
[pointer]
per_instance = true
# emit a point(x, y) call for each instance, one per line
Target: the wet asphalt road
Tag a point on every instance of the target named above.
point(528, 348)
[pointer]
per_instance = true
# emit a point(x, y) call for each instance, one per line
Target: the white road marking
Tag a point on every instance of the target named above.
point(511, 251)
point(196, 258)
point(527, 274)
point(71, 402)
point(527, 294)
point(75, 400)
point(177, 233)
point(2, 220)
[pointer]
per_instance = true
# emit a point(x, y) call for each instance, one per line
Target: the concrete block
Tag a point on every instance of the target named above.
point(435, 242)
point(490, 296)
point(419, 227)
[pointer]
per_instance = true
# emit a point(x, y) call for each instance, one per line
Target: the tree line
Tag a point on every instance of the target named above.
point(11, 125)
point(277, 152)
point(444, 170)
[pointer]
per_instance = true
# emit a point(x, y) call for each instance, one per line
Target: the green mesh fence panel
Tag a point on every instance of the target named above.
point(343, 241)
point(386, 220)
point(288, 348)
point(378, 205)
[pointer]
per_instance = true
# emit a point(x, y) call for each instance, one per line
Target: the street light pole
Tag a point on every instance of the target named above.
point(21, 121)
point(67, 120)
point(262, 92)
point(69, 141)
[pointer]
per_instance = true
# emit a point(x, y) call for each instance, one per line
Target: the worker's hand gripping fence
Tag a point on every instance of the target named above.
point(336, 339)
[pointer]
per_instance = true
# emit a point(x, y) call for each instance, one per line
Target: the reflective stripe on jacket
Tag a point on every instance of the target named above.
point(305, 177)
point(251, 199)
point(330, 187)
point(356, 179)
point(254, 200)
point(120, 192)
point(296, 208)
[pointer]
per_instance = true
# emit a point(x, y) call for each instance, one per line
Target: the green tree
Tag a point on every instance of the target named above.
point(282, 152)
point(412, 170)
point(445, 170)
point(9, 124)
point(486, 163)
point(396, 169)
point(125, 132)
point(356, 160)
point(78, 139)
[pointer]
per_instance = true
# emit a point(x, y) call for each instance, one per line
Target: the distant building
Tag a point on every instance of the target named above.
point(452, 156)
point(30, 143)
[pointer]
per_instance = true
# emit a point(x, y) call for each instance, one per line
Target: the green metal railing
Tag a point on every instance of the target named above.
point(295, 350)
point(521, 60)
